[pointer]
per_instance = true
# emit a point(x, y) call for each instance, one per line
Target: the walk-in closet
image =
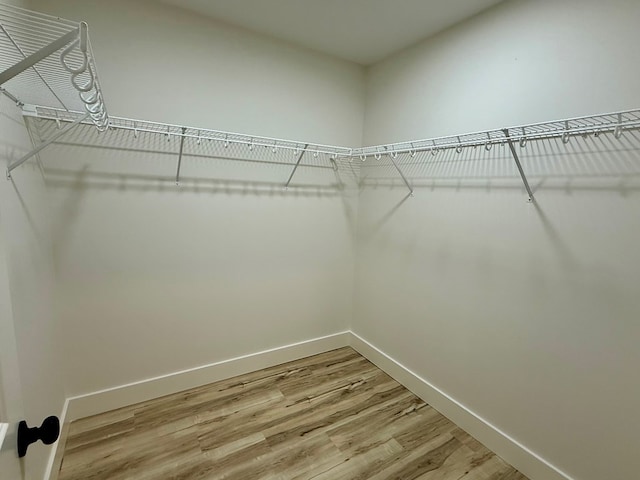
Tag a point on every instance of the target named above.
point(305, 239)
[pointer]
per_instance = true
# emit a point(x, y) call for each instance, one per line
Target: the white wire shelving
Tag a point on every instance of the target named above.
point(615, 124)
point(179, 131)
point(68, 119)
point(46, 60)
point(609, 123)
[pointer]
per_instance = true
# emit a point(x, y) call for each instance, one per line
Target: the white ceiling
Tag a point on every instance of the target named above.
point(362, 31)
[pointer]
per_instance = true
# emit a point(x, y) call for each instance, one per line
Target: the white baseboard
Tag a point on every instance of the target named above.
point(522, 458)
point(141, 391)
point(519, 456)
point(121, 396)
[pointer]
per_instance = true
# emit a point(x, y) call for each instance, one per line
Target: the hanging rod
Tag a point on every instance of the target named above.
point(55, 56)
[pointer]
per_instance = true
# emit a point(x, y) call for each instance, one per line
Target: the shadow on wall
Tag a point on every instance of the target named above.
point(144, 165)
point(588, 162)
point(598, 164)
point(122, 160)
point(13, 149)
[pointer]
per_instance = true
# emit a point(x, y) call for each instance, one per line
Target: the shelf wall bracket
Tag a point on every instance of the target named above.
point(11, 97)
point(517, 160)
point(36, 57)
point(45, 144)
point(406, 182)
point(180, 155)
point(286, 186)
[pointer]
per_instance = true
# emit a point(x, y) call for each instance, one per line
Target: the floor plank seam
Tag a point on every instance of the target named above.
point(333, 416)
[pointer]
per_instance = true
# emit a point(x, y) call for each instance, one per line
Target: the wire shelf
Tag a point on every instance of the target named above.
point(611, 123)
point(200, 134)
point(47, 67)
point(45, 60)
point(616, 123)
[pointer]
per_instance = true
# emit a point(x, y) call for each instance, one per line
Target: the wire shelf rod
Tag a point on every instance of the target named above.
point(13, 11)
point(144, 126)
point(616, 123)
point(35, 29)
point(498, 132)
point(613, 122)
point(494, 140)
point(54, 24)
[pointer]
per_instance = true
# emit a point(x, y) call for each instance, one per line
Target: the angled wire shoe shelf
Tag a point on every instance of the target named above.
point(48, 61)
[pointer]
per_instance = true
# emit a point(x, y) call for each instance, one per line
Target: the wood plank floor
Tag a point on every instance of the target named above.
point(328, 417)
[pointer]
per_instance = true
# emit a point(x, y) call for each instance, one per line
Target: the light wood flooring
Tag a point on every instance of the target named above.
point(332, 416)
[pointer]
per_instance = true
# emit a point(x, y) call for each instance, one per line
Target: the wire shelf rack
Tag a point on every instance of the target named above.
point(613, 123)
point(616, 123)
point(46, 60)
point(177, 131)
point(255, 147)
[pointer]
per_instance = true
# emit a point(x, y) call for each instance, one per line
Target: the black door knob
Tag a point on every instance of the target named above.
point(48, 432)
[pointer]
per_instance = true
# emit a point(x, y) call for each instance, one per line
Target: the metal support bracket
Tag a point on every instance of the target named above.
point(11, 97)
point(286, 186)
point(406, 182)
point(517, 160)
point(45, 144)
point(41, 54)
point(180, 156)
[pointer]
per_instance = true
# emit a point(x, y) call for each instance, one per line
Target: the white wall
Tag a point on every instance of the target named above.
point(153, 278)
point(519, 62)
point(527, 314)
point(30, 365)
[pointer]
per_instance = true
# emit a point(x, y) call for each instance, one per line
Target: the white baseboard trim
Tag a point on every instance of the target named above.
point(519, 456)
point(121, 396)
point(522, 458)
